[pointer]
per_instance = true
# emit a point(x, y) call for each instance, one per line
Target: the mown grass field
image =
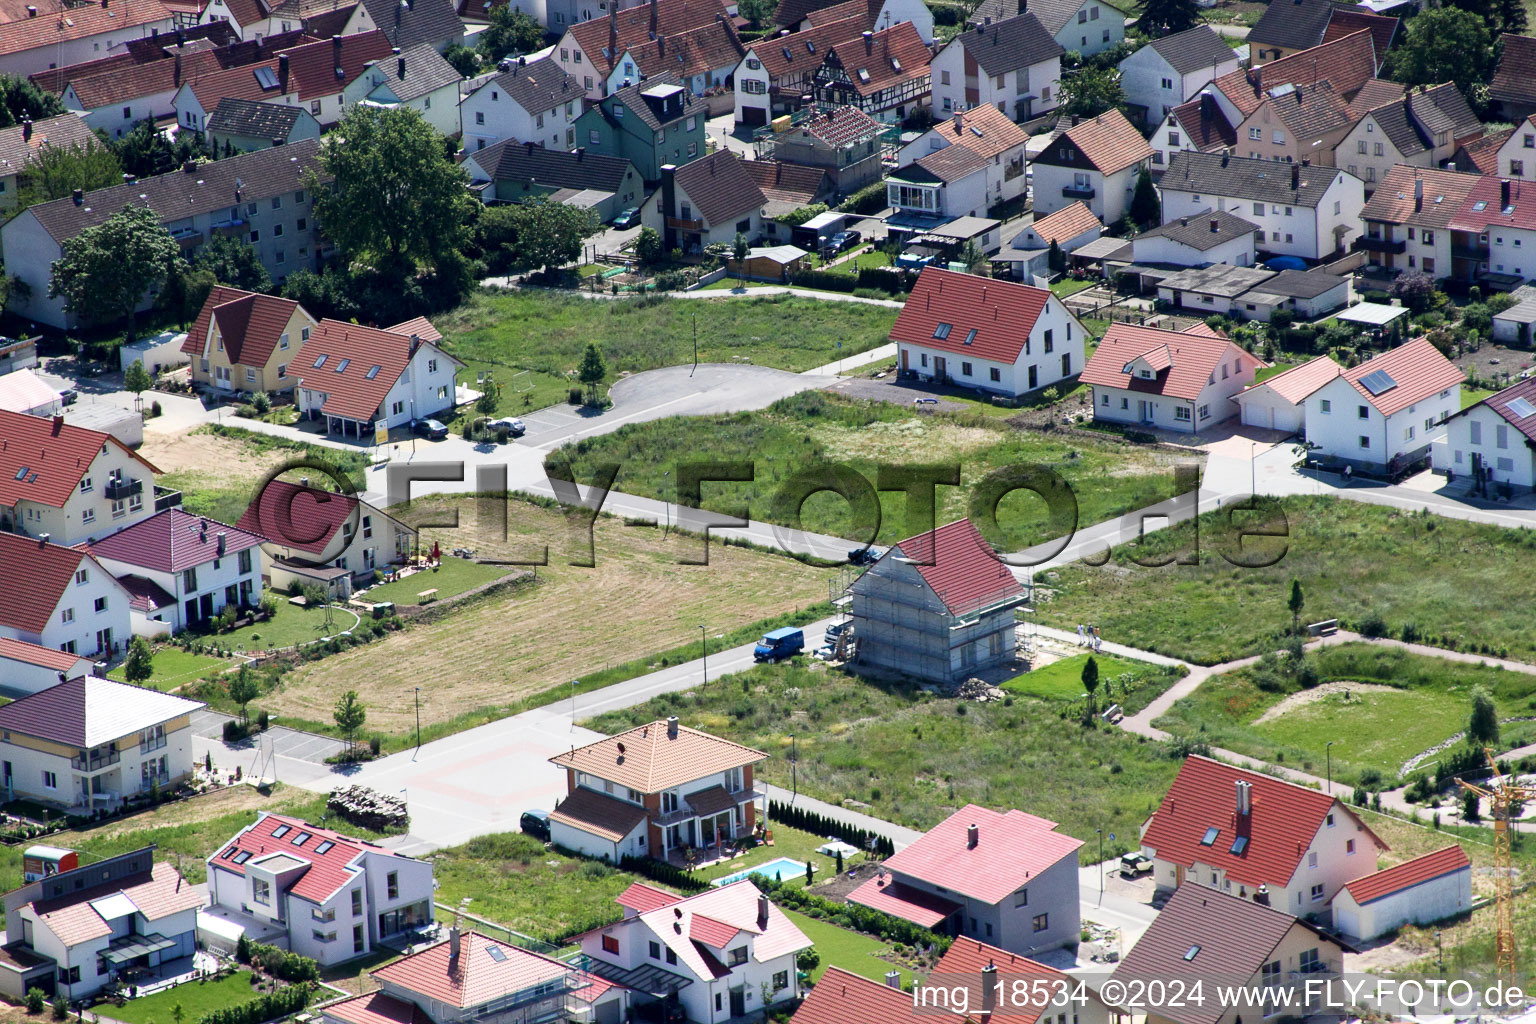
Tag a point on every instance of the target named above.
point(914, 759)
point(547, 333)
point(808, 432)
point(1428, 702)
point(173, 667)
point(852, 951)
point(1131, 684)
point(489, 656)
point(451, 578)
point(1354, 561)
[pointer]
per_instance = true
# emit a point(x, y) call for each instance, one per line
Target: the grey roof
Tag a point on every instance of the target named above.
point(952, 163)
point(1009, 45)
point(719, 188)
point(511, 160)
point(1241, 178)
point(537, 87)
point(254, 119)
point(408, 22)
point(1054, 14)
point(631, 96)
point(1218, 279)
point(1300, 284)
point(1401, 129)
point(1193, 49)
point(1195, 230)
point(1520, 313)
point(177, 195)
point(1293, 24)
point(425, 71)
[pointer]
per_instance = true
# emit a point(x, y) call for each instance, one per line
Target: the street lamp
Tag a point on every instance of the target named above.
point(573, 705)
point(1100, 833)
point(418, 718)
point(666, 481)
point(794, 769)
point(1328, 749)
point(704, 645)
point(1440, 952)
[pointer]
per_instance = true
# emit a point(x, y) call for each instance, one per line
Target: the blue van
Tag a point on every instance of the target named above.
point(781, 643)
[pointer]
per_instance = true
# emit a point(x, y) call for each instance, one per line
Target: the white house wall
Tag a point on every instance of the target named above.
point(1430, 901)
point(1338, 431)
point(1480, 431)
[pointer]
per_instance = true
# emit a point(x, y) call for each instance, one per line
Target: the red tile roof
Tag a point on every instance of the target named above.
point(1345, 22)
point(1300, 381)
point(420, 326)
point(476, 976)
point(598, 814)
point(959, 566)
point(841, 126)
point(842, 998)
point(311, 71)
point(1347, 63)
point(1445, 192)
point(642, 898)
point(157, 893)
point(64, 131)
point(714, 934)
point(144, 594)
point(80, 23)
point(1419, 370)
point(1408, 874)
point(1284, 820)
point(1066, 223)
point(889, 896)
point(42, 657)
point(55, 455)
point(1192, 358)
point(250, 325)
point(1109, 142)
point(328, 872)
point(350, 353)
point(1208, 129)
point(1483, 208)
point(633, 27)
point(1514, 80)
point(1002, 313)
point(984, 130)
point(173, 540)
point(34, 577)
point(304, 518)
point(1500, 404)
point(969, 957)
point(1011, 848)
point(376, 1008)
point(899, 44)
point(733, 906)
point(802, 52)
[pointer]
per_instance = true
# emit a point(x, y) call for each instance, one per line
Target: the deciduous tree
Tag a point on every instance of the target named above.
point(349, 715)
point(1163, 17)
point(56, 171)
point(20, 98)
point(106, 270)
point(243, 689)
point(233, 262)
point(549, 235)
point(1297, 601)
point(1483, 723)
point(510, 31)
point(1091, 680)
point(1089, 92)
point(592, 370)
point(1443, 45)
point(140, 664)
point(185, 290)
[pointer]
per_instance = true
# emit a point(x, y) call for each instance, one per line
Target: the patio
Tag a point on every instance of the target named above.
point(144, 981)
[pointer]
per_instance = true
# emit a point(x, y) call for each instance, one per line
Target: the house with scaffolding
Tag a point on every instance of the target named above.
point(940, 607)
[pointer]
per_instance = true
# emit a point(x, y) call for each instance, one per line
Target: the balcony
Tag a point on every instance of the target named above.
point(1395, 246)
point(84, 763)
point(123, 487)
point(1084, 192)
point(683, 224)
point(228, 227)
point(166, 498)
point(1477, 253)
point(187, 238)
point(686, 810)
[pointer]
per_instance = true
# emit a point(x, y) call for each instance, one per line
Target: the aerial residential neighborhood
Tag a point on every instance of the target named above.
point(794, 511)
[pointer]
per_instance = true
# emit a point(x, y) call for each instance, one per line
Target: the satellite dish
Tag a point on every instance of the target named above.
point(621, 749)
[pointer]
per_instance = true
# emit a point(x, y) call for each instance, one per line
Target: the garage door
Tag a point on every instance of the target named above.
point(754, 116)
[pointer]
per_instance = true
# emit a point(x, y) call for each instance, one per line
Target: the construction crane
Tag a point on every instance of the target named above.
point(1502, 794)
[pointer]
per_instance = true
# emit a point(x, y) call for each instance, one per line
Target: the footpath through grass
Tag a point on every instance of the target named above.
point(1396, 705)
point(810, 432)
point(547, 332)
point(914, 759)
point(1447, 582)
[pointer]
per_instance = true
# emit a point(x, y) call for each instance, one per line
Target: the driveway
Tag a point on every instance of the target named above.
point(287, 755)
point(723, 130)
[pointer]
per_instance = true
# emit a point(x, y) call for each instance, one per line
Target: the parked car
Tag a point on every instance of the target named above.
point(511, 424)
point(627, 218)
point(837, 629)
point(845, 240)
point(925, 401)
point(1134, 865)
point(779, 644)
point(536, 824)
point(69, 396)
point(432, 430)
point(865, 555)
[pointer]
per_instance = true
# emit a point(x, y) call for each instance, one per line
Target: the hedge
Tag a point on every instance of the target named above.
point(869, 199)
point(661, 871)
point(280, 963)
point(821, 825)
point(283, 1002)
point(852, 915)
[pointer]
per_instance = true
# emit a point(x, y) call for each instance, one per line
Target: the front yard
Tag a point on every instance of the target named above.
point(451, 578)
point(289, 626)
point(175, 667)
point(1131, 684)
point(197, 999)
point(852, 951)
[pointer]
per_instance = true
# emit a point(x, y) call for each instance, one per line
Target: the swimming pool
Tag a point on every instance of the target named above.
point(783, 869)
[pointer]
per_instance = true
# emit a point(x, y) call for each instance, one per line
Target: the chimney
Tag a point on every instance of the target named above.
point(661, 46)
point(278, 141)
point(1503, 192)
point(80, 201)
point(989, 987)
point(42, 539)
point(282, 71)
point(613, 31)
point(1261, 895)
point(1418, 194)
point(869, 42)
point(893, 979)
point(400, 67)
point(669, 193)
point(1023, 6)
point(1295, 177)
point(176, 71)
point(190, 167)
point(655, 20)
point(453, 944)
point(1244, 796)
point(762, 911)
point(336, 47)
point(581, 151)
point(671, 720)
point(26, 129)
point(529, 144)
point(959, 122)
point(972, 837)
point(31, 10)
point(1183, 222)
point(1226, 155)
point(1215, 226)
point(221, 542)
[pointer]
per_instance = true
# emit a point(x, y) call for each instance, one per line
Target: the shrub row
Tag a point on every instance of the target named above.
point(280, 963)
point(666, 874)
point(821, 825)
point(281, 1003)
point(852, 915)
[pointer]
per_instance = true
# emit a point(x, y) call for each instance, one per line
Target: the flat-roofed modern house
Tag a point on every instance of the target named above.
point(656, 791)
point(1006, 878)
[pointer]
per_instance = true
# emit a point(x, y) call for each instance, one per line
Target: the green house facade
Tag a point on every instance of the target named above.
point(651, 125)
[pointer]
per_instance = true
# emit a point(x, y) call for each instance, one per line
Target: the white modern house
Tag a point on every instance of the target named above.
point(182, 570)
point(316, 536)
point(356, 377)
point(1013, 65)
point(1181, 381)
point(987, 132)
point(1383, 415)
point(719, 952)
point(997, 336)
point(1172, 70)
point(1304, 210)
point(60, 597)
point(531, 102)
point(333, 897)
point(1096, 162)
point(1496, 436)
point(91, 743)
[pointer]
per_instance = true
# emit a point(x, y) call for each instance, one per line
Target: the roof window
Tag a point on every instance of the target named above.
point(1210, 836)
point(942, 331)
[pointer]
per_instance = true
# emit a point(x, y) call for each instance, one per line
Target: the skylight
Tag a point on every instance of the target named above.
point(787, 54)
point(864, 75)
point(325, 847)
point(321, 361)
point(21, 474)
point(496, 954)
point(942, 331)
point(1521, 408)
point(1239, 845)
point(341, 367)
point(1480, 205)
point(1192, 952)
point(970, 336)
point(265, 78)
point(301, 838)
point(227, 853)
point(895, 64)
point(1377, 382)
point(1210, 836)
point(242, 856)
point(373, 371)
point(281, 831)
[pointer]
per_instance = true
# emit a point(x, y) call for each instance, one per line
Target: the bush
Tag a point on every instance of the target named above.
point(852, 916)
point(235, 731)
point(282, 964)
point(263, 720)
point(1373, 626)
point(36, 1000)
point(60, 1006)
point(281, 1003)
point(574, 396)
point(660, 871)
point(869, 199)
point(374, 743)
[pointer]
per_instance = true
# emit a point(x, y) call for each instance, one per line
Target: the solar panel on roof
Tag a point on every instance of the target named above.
point(1378, 382)
point(1521, 408)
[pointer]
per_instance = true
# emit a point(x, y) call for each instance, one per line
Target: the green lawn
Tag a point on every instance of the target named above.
point(451, 578)
point(174, 666)
point(547, 333)
point(1067, 286)
point(288, 626)
point(1471, 396)
point(787, 842)
point(851, 268)
point(914, 759)
point(1131, 684)
point(852, 951)
point(806, 432)
point(1267, 372)
point(197, 1000)
point(1429, 702)
point(1354, 561)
